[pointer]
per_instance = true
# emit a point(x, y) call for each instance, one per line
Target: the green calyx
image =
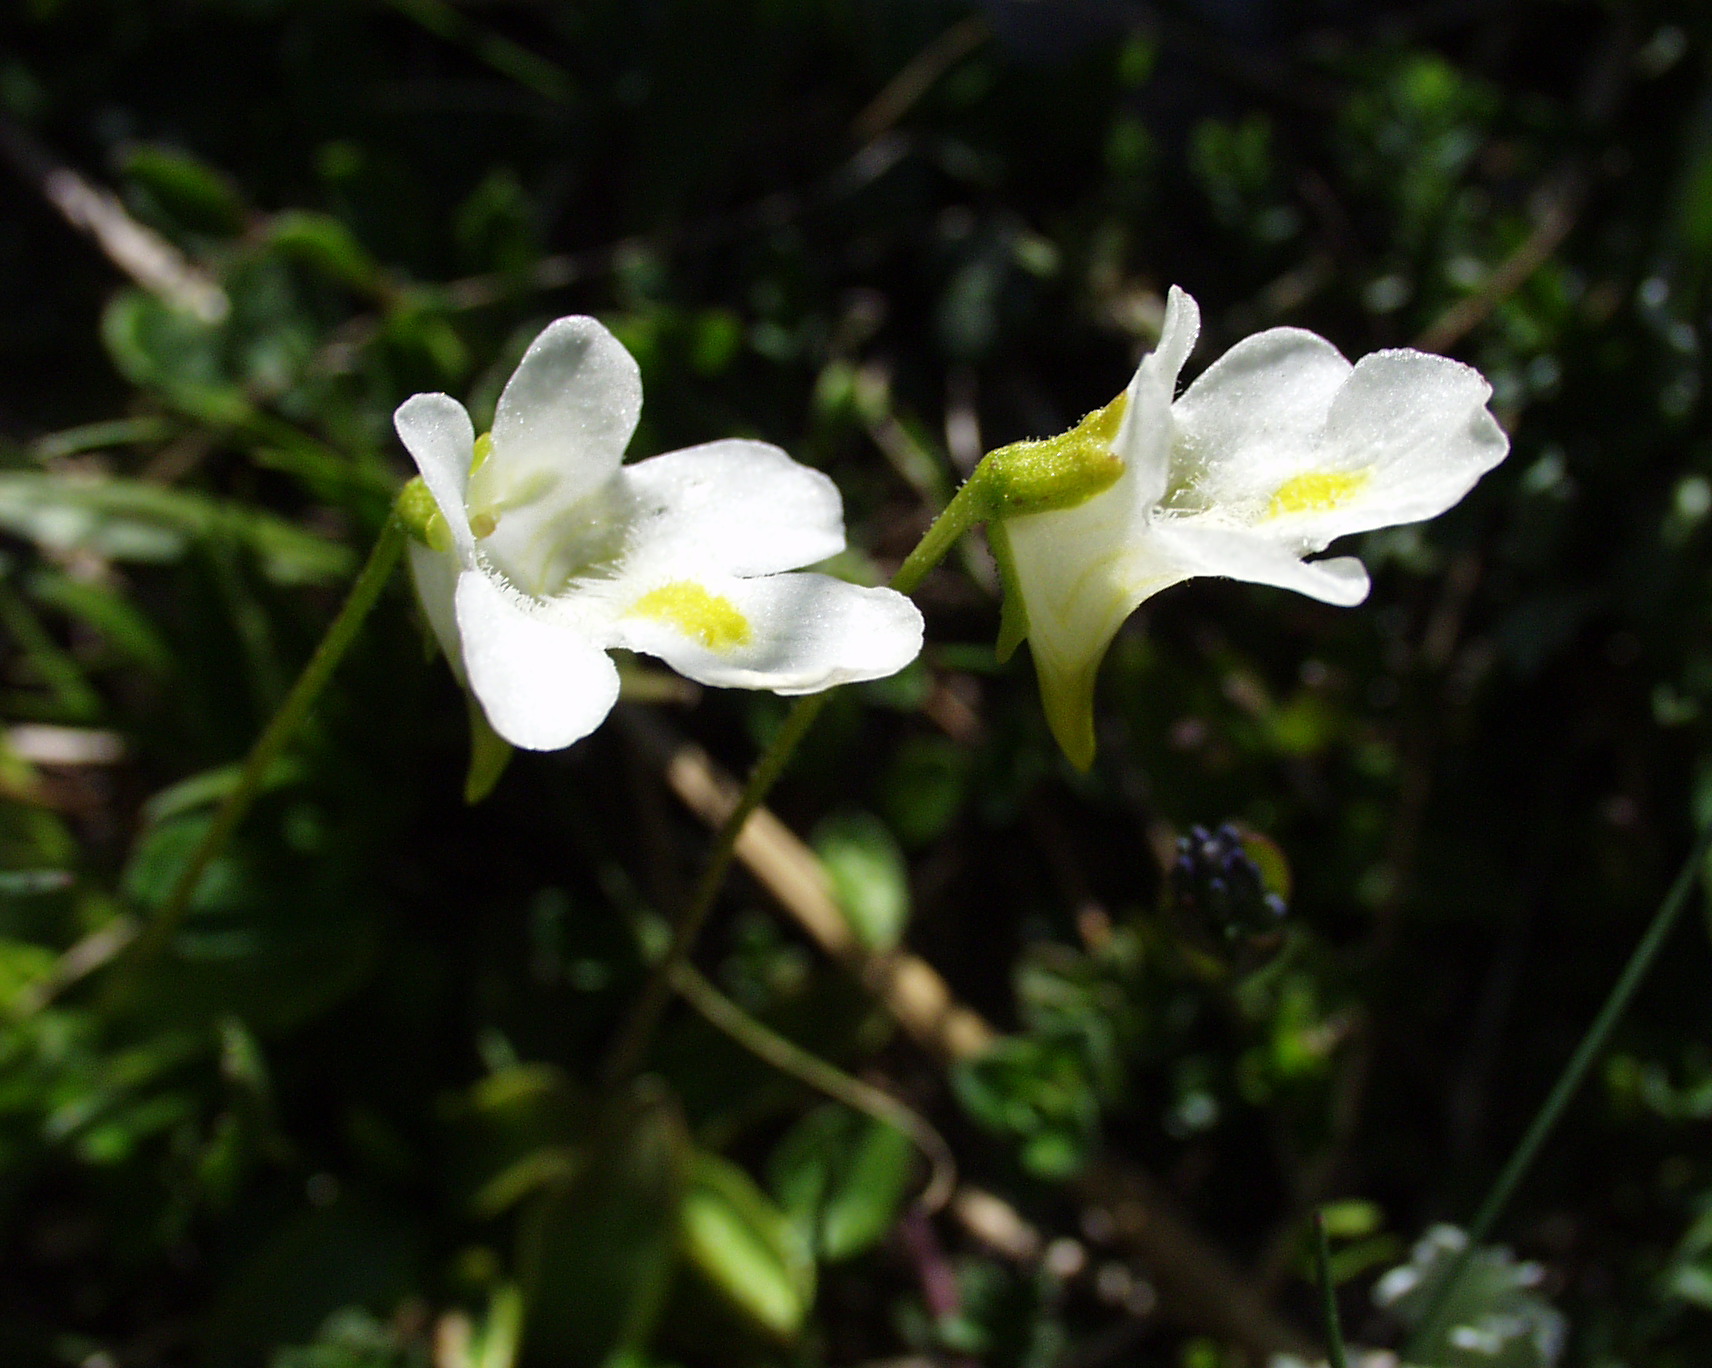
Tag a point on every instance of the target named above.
point(421, 516)
point(1055, 472)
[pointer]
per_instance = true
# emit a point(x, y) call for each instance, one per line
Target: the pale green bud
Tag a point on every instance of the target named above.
point(422, 517)
point(1054, 472)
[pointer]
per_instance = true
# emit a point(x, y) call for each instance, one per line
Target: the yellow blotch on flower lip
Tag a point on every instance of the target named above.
point(1316, 492)
point(711, 619)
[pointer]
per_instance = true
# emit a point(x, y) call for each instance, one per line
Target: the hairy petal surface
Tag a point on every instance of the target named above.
point(793, 634)
point(542, 683)
point(559, 433)
point(1253, 418)
point(566, 414)
point(735, 506)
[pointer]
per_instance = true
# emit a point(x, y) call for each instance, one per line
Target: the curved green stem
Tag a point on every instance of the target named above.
point(790, 1058)
point(1568, 1083)
point(967, 507)
point(631, 1044)
point(1335, 1355)
point(370, 581)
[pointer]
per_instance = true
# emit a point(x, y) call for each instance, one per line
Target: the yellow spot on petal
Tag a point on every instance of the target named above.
point(711, 619)
point(482, 524)
point(1317, 492)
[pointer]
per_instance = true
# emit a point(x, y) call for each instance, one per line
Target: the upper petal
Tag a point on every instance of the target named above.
point(793, 634)
point(436, 431)
point(1419, 425)
point(564, 419)
point(1143, 440)
point(542, 683)
point(1402, 437)
point(734, 507)
point(1252, 417)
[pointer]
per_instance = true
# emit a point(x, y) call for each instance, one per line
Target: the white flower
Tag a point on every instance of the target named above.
point(557, 553)
point(1278, 448)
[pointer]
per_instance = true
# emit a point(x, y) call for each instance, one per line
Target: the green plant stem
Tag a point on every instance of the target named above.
point(1328, 1296)
point(790, 1058)
point(967, 507)
point(631, 1044)
point(1640, 961)
point(370, 581)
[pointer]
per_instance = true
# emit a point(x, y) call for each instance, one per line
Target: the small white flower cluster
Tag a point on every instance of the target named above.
point(545, 551)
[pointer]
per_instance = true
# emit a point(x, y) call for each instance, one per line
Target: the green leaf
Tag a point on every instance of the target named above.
point(1040, 1092)
point(596, 1256)
point(189, 191)
point(842, 1177)
point(746, 1247)
point(321, 241)
point(174, 355)
point(520, 1129)
point(868, 876)
point(22, 965)
point(129, 520)
point(108, 612)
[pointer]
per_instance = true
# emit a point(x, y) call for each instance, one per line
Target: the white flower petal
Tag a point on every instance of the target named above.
point(564, 419)
point(735, 507)
point(542, 684)
point(1244, 555)
point(435, 574)
point(1082, 571)
point(1419, 427)
point(793, 634)
point(436, 431)
point(1143, 440)
point(1255, 417)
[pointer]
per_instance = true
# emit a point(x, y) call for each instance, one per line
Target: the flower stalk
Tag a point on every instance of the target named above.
point(341, 633)
point(791, 1059)
point(1563, 1091)
point(968, 507)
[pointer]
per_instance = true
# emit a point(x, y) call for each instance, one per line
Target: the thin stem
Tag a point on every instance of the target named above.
point(789, 1058)
point(634, 1036)
point(1328, 1295)
point(1663, 922)
point(967, 507)
point(370, 581)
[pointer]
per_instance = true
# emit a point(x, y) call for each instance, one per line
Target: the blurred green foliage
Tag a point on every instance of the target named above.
point(354, 1118)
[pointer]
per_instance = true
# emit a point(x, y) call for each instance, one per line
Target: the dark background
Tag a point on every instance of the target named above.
point(886, 236)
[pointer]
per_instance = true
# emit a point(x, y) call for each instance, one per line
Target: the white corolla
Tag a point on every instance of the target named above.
point(547, 551)
point(1278, 448)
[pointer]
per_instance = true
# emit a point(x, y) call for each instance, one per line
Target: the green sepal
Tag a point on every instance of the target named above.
point(421, 516)
point(490, 753)
point(1013, 611)
point(1055, 472)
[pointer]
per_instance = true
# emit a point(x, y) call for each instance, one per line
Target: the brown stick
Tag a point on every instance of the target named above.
point(135, 248)
point(1463, 317)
